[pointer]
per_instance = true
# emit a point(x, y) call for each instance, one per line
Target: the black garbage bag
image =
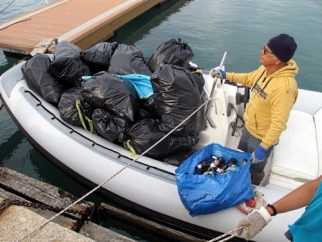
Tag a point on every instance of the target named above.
point(113, 94)
point(109, 126)
point(128, 59)
point(39, 78)
point(67, 64)
point(149, 106)
point(176, 96)
point(142, 113)
point(98, 57)
point(170, 52)
point(146, 132)
point(74, 110)
point(198, 77)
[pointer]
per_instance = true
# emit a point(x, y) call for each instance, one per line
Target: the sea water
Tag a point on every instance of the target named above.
point(239, 27)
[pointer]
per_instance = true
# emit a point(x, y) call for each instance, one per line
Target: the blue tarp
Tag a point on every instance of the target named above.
point(204, 194)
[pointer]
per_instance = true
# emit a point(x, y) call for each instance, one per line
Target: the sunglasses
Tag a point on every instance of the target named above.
point(266, 50)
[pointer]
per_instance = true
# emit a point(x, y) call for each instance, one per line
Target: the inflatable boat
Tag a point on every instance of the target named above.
point(148, 185)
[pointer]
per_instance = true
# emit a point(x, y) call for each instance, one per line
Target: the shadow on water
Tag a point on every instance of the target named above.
point(11, 138)
point(6, 62)
point(139, 27)
point(3, 60)
point(10, 145)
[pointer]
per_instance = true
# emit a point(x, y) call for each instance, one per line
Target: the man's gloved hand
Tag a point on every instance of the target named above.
point(218, 73)
point(254, 223)
point(258, 155)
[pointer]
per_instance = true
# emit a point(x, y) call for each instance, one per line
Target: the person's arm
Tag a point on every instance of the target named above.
point(259, 218)
point(246, 79)
point(298, 198)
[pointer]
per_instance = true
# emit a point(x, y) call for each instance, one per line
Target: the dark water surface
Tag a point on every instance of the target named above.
point(210, 27)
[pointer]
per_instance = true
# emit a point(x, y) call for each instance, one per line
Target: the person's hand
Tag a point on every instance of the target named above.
point(254, 223)
point(218, 73)
point(258, 155)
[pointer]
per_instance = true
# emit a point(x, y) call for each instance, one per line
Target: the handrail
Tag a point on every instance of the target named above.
point(211, 122)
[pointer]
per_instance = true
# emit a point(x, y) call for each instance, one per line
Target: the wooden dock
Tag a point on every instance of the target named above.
point(34, 202)
point(76, 224)
point(81, 22)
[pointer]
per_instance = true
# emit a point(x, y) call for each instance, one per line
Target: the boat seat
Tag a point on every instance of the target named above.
point(297, 158)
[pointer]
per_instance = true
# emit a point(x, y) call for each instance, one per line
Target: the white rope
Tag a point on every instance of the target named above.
point(228, 238)
point(223, 235)
point(90, 192)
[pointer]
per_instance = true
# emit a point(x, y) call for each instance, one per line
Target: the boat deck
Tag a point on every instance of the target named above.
point(81, 22)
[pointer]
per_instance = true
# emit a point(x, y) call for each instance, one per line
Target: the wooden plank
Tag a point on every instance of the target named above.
point(71, 14)
point(87, 35)
point(16, 222)
point(1, 104)
point(158, 230)
point(34, 32)
point(28, 16)
point(18, 44)
point(100, 234)
point(43, 46)
point(41, 192)
point(77, 21)
point(61, 220)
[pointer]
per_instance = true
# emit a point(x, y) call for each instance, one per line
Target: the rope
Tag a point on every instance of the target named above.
point(227, 238)
point(90, 192)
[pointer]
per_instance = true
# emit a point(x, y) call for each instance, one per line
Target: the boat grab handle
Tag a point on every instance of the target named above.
point(211, 122)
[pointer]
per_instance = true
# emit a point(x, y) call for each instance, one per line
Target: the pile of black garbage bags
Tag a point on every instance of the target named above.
point(89, 90)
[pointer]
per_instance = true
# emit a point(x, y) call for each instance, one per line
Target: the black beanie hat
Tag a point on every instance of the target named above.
point(283, 47)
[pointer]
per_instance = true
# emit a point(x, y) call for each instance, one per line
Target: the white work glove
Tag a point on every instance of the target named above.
point(254, 223)
point(218, 73)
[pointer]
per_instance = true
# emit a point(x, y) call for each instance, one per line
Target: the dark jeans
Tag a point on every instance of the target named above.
point(248, 143)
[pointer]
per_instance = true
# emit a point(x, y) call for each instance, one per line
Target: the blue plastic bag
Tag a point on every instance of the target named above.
point(141, 83)
point(204, 194)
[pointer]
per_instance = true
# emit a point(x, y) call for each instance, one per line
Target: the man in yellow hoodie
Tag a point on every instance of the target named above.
point(274, 92)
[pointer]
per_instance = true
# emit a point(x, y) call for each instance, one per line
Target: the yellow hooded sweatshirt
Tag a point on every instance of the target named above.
point(271, 101)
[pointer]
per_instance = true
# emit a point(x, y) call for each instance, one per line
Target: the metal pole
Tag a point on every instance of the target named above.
point(212, 124)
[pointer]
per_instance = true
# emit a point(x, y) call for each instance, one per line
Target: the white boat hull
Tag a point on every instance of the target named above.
point(147, 185)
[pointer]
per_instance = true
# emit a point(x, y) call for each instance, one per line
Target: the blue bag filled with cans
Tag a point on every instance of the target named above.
point(205, 194)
